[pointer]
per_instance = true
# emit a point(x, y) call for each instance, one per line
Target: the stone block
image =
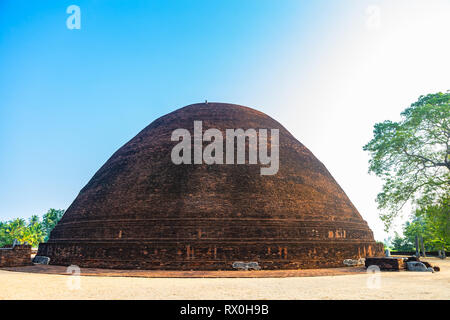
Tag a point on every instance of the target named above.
point(386, 263)
point(41, 260)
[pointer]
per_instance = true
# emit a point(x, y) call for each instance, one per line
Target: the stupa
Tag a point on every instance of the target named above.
point(142, 211)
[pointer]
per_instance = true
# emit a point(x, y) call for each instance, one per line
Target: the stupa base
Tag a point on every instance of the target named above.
point(204, 255)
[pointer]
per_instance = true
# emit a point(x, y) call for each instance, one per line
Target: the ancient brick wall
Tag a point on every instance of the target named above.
point(20, 255)
point(204, 255)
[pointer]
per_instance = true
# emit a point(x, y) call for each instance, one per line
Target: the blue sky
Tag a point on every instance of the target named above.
point(70, 98)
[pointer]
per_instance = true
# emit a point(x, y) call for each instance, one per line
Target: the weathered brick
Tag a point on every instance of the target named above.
point(386, 263)
point(18, 256)
point(142, 211)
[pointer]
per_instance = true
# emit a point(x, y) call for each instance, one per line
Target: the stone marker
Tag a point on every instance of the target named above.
point(246, 265)
point(354, 262)
point(41, 260)
point(350, 262)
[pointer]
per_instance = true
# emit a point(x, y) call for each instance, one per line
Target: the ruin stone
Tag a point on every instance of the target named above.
point(41, 260)
point(418, 266)
point(140, 210)
point(427, 264)
point(386, 263)
point(246, 265)
point(354, 262)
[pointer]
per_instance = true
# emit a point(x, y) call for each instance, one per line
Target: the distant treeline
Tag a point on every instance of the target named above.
point(33, 231)
point(430, 224)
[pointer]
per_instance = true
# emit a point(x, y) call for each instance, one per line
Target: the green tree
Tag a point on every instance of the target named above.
point(415, 228)
point(49, 221)
point(412, 156)
point(436, 225)
point(15, 229)
point(3, 234)
point(401, 244)
point(34, 232)
point(34, 219)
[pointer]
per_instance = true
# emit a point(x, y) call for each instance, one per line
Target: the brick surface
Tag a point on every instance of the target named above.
point(20, 255)
point(386, 263)
point(142, 211)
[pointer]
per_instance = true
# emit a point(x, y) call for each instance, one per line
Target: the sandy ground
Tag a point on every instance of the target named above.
point(50, 269)
point(354, 285)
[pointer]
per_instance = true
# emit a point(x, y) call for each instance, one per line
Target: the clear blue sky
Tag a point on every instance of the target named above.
point(70, 98)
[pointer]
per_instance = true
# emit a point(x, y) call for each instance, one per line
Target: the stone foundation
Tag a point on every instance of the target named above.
point(202, 255)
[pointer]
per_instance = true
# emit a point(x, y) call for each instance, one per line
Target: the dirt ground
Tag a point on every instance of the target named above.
point(50, 282)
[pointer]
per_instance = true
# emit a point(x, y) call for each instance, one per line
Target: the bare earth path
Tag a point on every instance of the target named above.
point(307, 284)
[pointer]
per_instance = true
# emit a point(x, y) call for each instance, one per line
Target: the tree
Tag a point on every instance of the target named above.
point(415, 233)
point(49, 221)
point(33, 232)
point(34, 219)
point(13, 230)
point(412, 156)
point(401, 244)
point(3, 234)
point(436, 229)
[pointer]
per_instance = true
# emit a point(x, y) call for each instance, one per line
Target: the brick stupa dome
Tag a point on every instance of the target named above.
point(140, 210)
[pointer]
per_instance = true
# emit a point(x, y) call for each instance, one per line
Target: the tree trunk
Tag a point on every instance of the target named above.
point(422, 246)
point(417, 247)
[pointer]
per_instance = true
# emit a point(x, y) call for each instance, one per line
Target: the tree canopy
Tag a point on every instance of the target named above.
point(33, 232)
point(49, 221)
point(412, 157)
point(430, 223)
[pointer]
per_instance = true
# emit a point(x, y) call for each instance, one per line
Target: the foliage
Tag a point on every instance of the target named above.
point(432, 223)
point(402, 244)
point(412, 156)
point(14, 229)
point(50, 219)
point(34, 231)
point(435, 225)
